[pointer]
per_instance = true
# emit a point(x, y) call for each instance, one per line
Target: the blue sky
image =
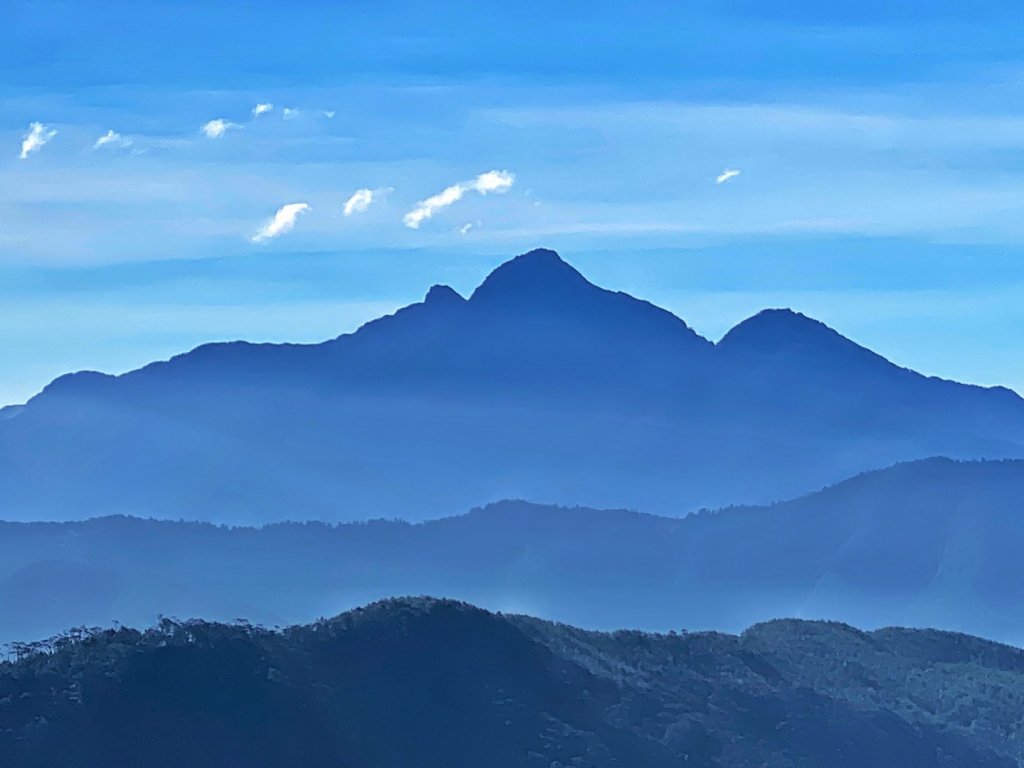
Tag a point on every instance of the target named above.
point(879, 147)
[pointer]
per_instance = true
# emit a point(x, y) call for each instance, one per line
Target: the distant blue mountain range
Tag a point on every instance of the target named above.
point(929, 543)
point(540, 386)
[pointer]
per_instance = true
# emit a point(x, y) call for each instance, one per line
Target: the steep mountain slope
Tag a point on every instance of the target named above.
point(422, 682)
point(539, 386)
point(932, 543)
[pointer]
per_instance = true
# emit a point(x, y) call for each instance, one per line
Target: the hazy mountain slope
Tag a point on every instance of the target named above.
point(933, 543)
point(539, 386)
point(421, 682)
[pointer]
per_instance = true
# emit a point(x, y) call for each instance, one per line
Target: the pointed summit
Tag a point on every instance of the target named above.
point(773, 329)
point(537, 274)
point(784, 333)
point(540, 290)
point(443, 294)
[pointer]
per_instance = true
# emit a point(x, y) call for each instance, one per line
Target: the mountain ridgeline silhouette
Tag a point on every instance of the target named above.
point(539, 386)
point(436, 683)
point(934, 543)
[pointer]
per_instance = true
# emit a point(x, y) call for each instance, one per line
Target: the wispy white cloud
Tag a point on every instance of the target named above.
point(485, 183)
point(289, 113)
point(281, 222)
point(361, 200)
point(726, 175)
point(38, 135)
point(262, 109)
point(465, 228)
point(427, 208)
point(215, 129)
point(494, 181)
point(112, 138)
point(329, 114)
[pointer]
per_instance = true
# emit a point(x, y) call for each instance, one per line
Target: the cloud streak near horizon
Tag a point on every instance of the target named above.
point(486, 183)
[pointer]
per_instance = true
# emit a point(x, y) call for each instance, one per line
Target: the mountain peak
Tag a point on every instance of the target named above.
point(443, 294)
point(537, 258)
point(784, 333)
point(532, 275)
point(773, 329)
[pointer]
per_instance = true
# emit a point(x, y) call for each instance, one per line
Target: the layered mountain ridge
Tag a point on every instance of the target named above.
point(540, 386)
point(933, 543)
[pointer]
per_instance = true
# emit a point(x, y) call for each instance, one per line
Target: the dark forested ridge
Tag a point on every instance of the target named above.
point(932, 543)
point(434, 683)
point(539, 386)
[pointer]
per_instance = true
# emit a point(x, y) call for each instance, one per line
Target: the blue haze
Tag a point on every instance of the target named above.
point(540, 385)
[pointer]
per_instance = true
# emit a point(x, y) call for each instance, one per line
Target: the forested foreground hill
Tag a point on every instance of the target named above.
point(435, 683)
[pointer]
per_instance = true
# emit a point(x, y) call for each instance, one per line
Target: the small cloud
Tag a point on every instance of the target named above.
point(112, 138)
point(329, 114)
point(290, 114)
point(262, 109)
point(494, 181)
point(360, 201)
point(38, 135)
point(281, 222)
point(465, 228)
point(215, 129)
point(427, 208)
point(485, 183)
point(724, 176)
